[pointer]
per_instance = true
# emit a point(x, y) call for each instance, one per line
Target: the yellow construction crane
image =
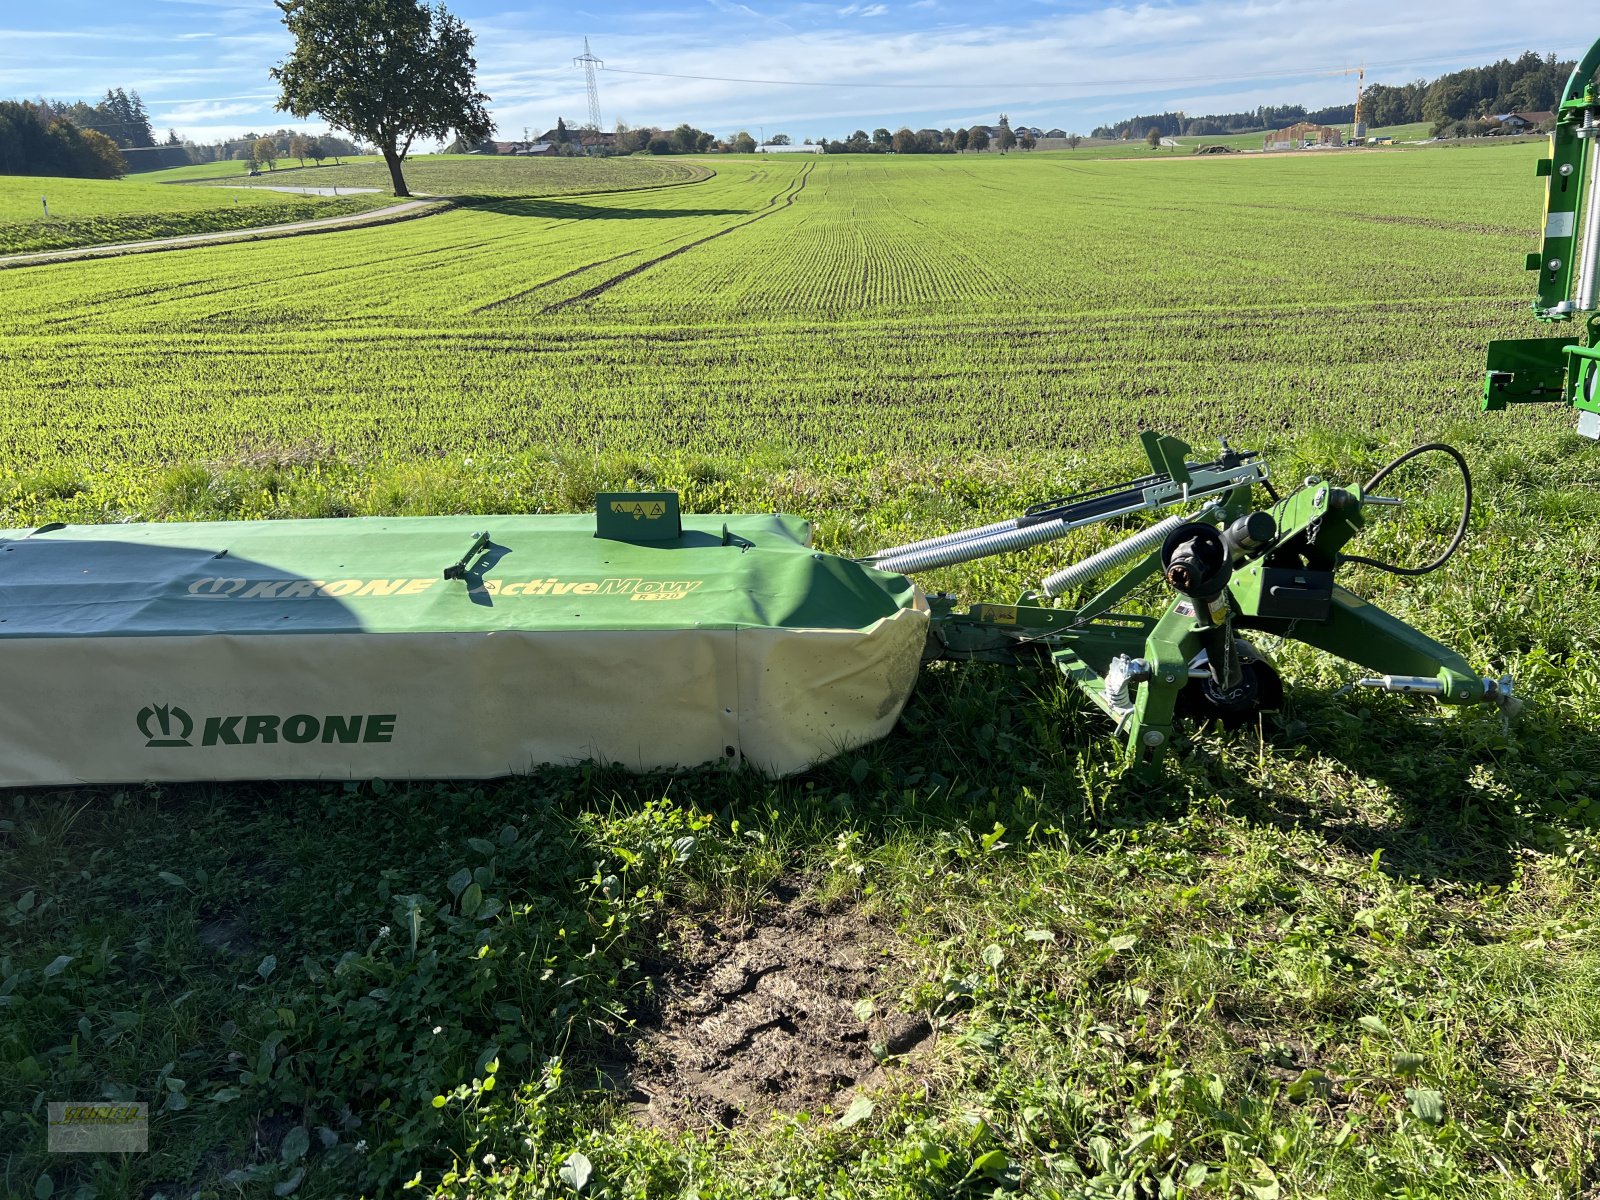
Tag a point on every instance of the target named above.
point(1358, 128)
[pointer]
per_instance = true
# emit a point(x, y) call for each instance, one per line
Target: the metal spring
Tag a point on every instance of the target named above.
point(944, 539)
point(1131, 548)
point(998, 542)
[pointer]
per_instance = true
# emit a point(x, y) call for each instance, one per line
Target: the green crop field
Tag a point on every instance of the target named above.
point(458, 175)
point(92, 212)
point(1414, 132)
point(1353, 952)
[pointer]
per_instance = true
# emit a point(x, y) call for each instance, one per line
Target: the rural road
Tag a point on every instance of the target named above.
point(380, 216)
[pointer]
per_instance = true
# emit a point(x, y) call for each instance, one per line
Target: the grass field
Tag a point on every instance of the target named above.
point(94, 212)
point(458, 175)
point(239, 172)
point(1415, 132)
point(1353, 953)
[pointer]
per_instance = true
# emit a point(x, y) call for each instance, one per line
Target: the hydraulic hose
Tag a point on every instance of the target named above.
point(1461, 527)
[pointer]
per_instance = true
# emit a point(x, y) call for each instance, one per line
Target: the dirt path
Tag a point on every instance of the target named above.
point(380, 216)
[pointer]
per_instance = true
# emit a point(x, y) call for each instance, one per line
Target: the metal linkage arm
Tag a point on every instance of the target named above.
point(1180, 483)
point(1410, 661)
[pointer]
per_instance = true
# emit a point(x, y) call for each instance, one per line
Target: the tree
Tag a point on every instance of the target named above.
point(779, 139)
point(87, 153)
point(743, 143)
point(659, 145)
point(124, 120)
point(905, 142)
point(882, 138)
point(978, 138)
point(961, 140)
point(1153, 138)
point(389, 71)
point(265, 153)
point(314, 151)
point(1007, 139)
point(631, 141)
point(32, 142)
point(1446, 101)
point(1073, 141)
point(1026, 141)
point(562, 135)
point(297, 148)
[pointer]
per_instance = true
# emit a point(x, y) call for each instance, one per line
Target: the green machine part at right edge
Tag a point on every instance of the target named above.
point(1563, 369)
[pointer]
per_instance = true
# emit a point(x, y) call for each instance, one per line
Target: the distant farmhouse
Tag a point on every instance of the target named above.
point(534, 149)
point(1524, 122)
point(1304, 136)
point(548, 144)
point(587, 138)
point(993, 132)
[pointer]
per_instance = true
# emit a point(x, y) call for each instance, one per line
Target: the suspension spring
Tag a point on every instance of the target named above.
point(1124, 551)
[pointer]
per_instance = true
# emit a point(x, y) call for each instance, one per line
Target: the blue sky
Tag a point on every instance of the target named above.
point(201, 65)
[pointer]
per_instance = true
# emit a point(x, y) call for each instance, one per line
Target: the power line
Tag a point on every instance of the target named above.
point(1151, 81)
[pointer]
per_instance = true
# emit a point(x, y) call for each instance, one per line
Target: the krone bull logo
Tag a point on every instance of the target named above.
point(165, 725)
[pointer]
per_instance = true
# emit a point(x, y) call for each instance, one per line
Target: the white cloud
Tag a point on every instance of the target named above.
point(1052, 63)
point(195, 113)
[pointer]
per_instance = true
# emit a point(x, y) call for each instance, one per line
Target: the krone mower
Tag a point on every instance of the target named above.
point(470, 647)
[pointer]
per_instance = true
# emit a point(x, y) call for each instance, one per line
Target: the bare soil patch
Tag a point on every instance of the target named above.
point(759, 1018)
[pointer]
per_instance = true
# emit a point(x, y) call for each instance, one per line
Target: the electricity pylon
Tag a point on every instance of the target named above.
point(589, 62)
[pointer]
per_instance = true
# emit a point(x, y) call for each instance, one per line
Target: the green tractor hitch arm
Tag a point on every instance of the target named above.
point(1231, 567)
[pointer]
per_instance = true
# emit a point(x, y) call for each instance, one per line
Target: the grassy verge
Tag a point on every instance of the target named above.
point(111, 228)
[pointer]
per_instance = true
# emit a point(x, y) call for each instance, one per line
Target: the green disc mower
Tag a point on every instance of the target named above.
point(470, 647)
